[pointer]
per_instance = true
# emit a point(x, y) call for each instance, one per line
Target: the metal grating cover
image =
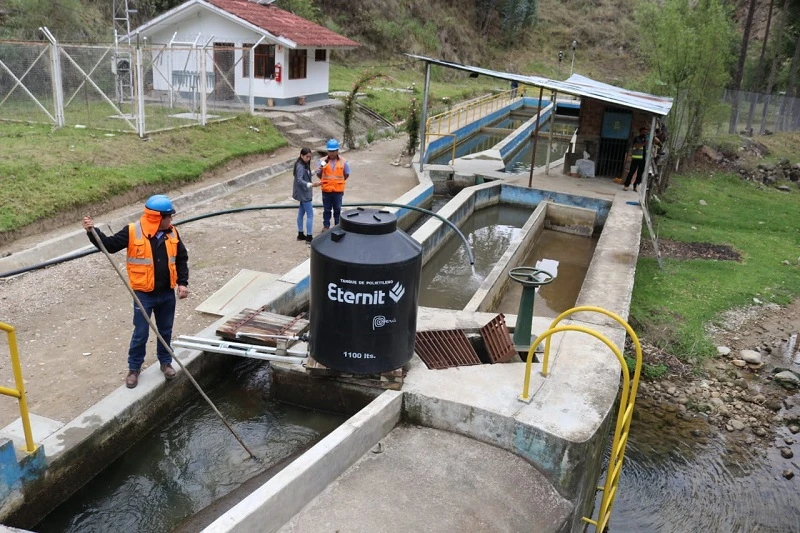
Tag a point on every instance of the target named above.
point(497, 340)
point(445, 348)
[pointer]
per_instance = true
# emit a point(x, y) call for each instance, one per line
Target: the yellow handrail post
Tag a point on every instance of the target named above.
point(19, 392)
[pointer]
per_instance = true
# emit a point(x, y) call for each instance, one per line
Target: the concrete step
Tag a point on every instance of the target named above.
point(313, 141)
point(299, 132)
point(285, 124)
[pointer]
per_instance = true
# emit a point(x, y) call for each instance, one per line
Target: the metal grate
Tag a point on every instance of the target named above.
point(497, 340)
point(445, 349)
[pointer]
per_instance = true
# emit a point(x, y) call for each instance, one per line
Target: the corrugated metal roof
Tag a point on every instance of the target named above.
point(576, 85)
point(284, 24)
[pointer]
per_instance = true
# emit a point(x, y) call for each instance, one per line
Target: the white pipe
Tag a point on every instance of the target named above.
point(241, 345)
point(252, 353)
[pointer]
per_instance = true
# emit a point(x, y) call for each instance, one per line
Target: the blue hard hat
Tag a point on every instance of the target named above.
point(160, 203)
point(332, 145)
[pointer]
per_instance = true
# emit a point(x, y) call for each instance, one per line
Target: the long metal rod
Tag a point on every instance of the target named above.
point(164, 343)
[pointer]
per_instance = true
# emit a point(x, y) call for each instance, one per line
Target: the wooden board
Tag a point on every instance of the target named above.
point(251, 323)
point(245, 289)
point(392, 380)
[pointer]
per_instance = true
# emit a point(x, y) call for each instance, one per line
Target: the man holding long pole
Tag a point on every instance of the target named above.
point(157, 264)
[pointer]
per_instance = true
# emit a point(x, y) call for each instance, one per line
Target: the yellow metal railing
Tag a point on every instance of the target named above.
point(626, 402)
point(19, 392)
point(457, 117)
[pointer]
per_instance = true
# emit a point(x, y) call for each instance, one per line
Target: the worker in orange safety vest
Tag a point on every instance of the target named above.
point(333, 171)
point(158, 267)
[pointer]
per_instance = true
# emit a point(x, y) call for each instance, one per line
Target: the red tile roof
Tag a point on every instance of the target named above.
point(282, 23)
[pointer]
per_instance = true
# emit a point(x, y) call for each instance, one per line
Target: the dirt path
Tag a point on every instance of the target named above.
point(73, 320)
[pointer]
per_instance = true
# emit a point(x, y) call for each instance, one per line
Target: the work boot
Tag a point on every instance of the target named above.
point(168, 371)
point(308, 238)
point(300, 236)
point(133, 379)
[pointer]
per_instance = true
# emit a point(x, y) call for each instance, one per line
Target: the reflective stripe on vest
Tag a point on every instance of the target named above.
point(141, 269)
point(332, 179)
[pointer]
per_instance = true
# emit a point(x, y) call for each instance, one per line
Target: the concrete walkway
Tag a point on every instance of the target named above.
point(422, 479)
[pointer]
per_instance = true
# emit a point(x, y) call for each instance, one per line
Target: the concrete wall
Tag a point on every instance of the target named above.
point(278, 500)
point(494, 287)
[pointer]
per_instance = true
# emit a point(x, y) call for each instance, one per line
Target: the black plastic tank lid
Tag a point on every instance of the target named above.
point(368, 221)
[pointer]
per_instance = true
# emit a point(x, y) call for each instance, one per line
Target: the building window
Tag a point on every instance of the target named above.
point(297, 64)
point(264, 61)
point(320, 54)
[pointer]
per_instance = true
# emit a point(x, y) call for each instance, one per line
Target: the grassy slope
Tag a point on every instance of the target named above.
point(761, 223)
point(44, 171)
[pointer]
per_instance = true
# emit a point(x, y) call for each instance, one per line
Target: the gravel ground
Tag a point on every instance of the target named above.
point(73, 321)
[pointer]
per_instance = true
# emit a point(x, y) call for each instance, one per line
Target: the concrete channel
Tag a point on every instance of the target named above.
point(453, 448)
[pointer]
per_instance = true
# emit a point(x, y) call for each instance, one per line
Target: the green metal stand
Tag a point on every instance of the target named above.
point(531, 279)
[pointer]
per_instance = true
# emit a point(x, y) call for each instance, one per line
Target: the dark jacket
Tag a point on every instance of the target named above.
point(119, 241)
point(301, 190)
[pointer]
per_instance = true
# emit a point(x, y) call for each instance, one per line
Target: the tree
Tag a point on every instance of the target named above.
point(760, 68)
point(689, 48)
point(774, 67)
point(737, 78)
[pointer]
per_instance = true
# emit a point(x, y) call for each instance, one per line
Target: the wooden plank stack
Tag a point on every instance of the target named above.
point(251, 323)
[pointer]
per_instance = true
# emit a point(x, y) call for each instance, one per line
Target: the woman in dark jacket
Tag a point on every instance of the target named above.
point(301, 191)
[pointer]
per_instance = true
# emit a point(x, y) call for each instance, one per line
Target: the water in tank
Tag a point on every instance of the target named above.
point(365, 276)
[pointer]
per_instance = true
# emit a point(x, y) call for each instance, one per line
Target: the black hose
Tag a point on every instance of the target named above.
point(84, 253)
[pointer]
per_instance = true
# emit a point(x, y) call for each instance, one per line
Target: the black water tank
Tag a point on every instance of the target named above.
point(365, 277)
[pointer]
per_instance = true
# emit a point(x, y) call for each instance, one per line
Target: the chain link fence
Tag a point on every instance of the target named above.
point(26, 82)
point(124, 88)
point(757, 113)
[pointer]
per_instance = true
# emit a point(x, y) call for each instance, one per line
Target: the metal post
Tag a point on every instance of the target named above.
point(19, 392)
point(524, 325)
point(574, 46)
point(252, 61)
point(55, 65)
point(649, 157)
point(423, 123)
point(139, 92)
point(552, 125)
point(170, 75)
point(535, 136)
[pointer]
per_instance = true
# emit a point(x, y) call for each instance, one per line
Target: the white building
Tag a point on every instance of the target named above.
point(290, 64)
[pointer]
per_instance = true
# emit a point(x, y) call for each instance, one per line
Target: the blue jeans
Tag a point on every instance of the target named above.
point(308, 211)
point(160, 305)
point(331, 200)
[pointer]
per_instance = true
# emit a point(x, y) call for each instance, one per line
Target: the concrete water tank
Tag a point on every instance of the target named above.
point(365, 276)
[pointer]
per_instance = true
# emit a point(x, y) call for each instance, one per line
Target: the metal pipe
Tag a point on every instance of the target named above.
point(19, 392)
point(424, 119)
point(163, 342)
point(535, 136)
point(554, 103)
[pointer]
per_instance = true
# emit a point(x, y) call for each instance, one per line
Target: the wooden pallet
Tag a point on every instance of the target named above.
point(392, 380)
point(250, 323)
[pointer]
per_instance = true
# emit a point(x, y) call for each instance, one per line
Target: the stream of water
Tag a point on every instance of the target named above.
point(679, 478)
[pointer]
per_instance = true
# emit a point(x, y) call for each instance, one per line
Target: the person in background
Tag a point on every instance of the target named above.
point(333, 172)
point(638, 157)
point(301, 191)
point(158, 266)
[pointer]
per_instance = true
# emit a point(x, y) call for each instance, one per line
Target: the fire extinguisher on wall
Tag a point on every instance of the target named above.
point(278, 72)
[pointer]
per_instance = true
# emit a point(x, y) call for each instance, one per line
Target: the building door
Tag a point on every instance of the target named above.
point(613, 142)
point(224, 62)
